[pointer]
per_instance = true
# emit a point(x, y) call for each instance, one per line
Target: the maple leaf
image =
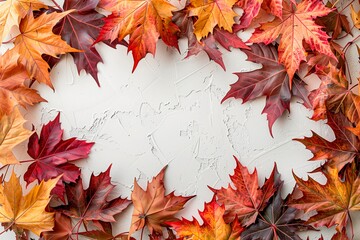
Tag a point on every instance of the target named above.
point(334, 22)
point(344, 149)
point(79, 29)
point(214, 226)
point(12, 133)
point(93, 204)
point(211, 14)
point(332, 201)
point(152, 208)
point(208, 44)
point(52, 156)
point(296, 25)
point(62, 228)
point(247, 198)
point(36, 38)
point(271, 81)
point(334, 95)
point(145, 21)
point(26, 212)
point(11, 12)
point(252, 8)
point(13, 91)
point(277, 222)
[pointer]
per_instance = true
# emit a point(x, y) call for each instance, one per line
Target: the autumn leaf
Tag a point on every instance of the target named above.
point(152, 208)
point(62, 228)
point(297, 24)
point(26, 212)
point(79, 29)
point(144, 21)
point(94, 203)
point(332, 201)
point(36, 38)
point(271, 81)
point(211, 14)
point(13, 91)
point(343, 150)
point(12, 133)
point(252, 9)
point(334, 94)
point(334, 22)
point(11, 12)
point(52, 156)
point(213, 227)
point(277, 222)
point(209, 44)
point(246, 199)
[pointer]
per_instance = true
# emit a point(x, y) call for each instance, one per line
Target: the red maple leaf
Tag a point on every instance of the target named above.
point(52, 156)
point(247, 198)
point(271, 81)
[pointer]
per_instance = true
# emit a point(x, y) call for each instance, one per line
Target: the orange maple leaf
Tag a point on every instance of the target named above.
point(144, 20)
point(214, 226)
point(36, 38)
point(152, 208)
point(333, 201)
point(296, 25)
point(12, 133)
point(211, 14)
point(12, 89)
point(11, 12)
point(26, 212)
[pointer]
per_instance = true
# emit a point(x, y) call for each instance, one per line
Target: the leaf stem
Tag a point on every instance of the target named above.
point(60, 8)
point(351, 226)
point(9, 41)
point(346, 6)
point(26, 161)
point(7, 228)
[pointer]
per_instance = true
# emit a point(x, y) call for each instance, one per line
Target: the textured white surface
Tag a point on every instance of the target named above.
point(168, 113)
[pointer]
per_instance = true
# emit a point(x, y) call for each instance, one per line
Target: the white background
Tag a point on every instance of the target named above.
point(168, 112)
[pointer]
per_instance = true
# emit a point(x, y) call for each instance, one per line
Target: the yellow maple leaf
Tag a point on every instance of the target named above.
point(12, 11)
point(12, 133)
point(26, 212)
point(37, 38)
point(211, 14)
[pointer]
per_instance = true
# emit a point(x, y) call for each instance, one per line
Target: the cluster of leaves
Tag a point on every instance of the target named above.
point(295, 41)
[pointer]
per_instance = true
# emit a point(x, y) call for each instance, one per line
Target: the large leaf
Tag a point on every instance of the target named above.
point(211, 14)
point(296, 25)
point(247, 199)
point(343, 150)
point(94, 203)
point(144, 21)
point(209, 44)
point(271, 81)
point(152, 208)
point(26, 212)
point(52, 156)
point(36, 38)
point(79, 29)
point(277, 222)
point(332, 201)
point(12, 133)
point(12, 11)
point(13, 90)
point(213, 227)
